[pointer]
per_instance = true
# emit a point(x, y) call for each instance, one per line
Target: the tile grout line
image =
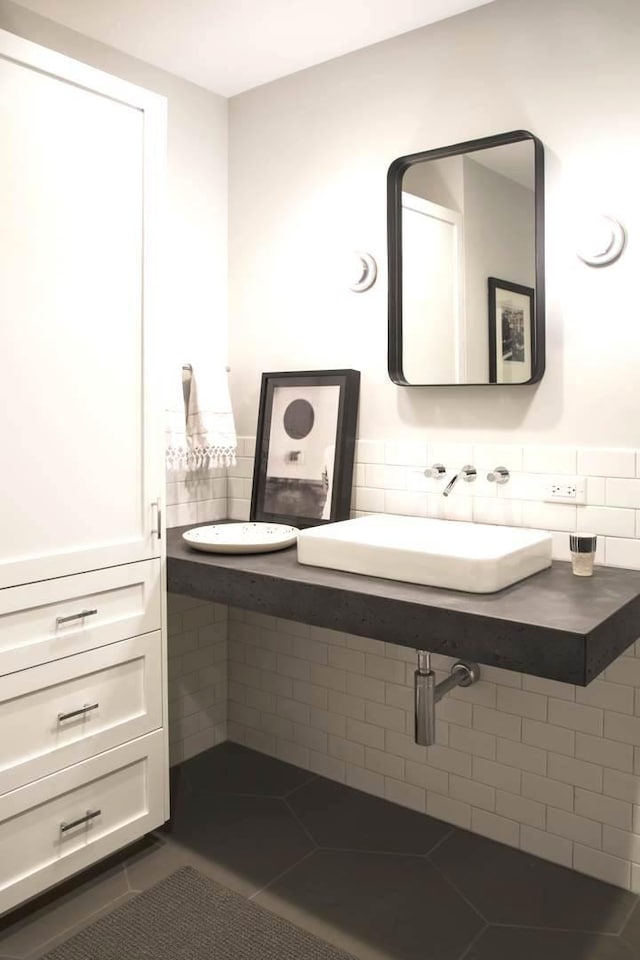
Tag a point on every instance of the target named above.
point(474, 940)
point(300, 823)
point(283, 874)
point(126, 877)
point(378, 853)
point(629, 915)
point(312, 777)
point(529, 926)
point(439, 843)
point(232, 793)
point(453, 886)
point(78, 926)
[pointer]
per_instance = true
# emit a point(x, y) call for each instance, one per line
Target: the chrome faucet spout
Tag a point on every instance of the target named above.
point(449, 487)
point(468, 474)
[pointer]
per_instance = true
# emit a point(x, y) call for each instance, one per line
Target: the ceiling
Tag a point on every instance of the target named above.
point(229, 46)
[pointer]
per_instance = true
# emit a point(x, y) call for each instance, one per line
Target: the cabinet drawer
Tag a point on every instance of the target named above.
point(61, 824)
point(66, 711)
point(43, 621)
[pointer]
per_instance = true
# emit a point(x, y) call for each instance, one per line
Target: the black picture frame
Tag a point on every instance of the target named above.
point(511, 331)
point(307, 424)
point(395, 174)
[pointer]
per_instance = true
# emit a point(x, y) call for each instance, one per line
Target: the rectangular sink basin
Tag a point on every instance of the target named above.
point(474, 557)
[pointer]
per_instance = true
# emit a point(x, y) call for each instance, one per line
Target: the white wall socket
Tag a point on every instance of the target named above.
point(565, 490)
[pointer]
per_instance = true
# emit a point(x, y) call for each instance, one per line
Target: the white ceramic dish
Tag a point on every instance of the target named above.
point(241, 537)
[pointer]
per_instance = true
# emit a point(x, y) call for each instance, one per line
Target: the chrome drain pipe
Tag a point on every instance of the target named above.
point(427, 693)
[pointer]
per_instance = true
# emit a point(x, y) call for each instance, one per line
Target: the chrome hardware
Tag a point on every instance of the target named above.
point(187, 368)
point(158, 527)
point(75, 616)
point(499, 475)
point(427, 693)
point(424, 684)
point(88, 817)
point(78, 713)
point(436, 471)
point(468, 474)
point(467, 672)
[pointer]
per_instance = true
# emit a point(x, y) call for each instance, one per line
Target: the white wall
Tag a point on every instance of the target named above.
point(308, 162)
point(195, 277)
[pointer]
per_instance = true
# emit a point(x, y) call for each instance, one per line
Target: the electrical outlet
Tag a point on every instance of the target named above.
point(565, 490)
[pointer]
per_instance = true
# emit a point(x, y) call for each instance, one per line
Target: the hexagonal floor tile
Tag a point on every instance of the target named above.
point(341, 817)
point(512, 943)
point(377, 906)
point(631, 930)
point(246, 841)
point(34, 926)
point(231, 768)
point(511, 887)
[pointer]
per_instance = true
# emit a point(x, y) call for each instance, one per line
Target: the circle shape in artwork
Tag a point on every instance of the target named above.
point(298, 419)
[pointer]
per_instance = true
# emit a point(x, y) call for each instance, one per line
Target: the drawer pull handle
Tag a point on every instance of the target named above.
point(77, 713)
point(88, 817)
point(75, 616)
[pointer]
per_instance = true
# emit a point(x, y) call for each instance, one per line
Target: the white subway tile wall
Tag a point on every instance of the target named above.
point(198, 664)
point(198, 496)
point(544, 766)
point(197, 631)
point(388, 478)
point(531, 769)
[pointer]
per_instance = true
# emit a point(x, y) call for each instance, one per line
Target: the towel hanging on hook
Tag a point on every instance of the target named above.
point(211, 432)
point(200, 431)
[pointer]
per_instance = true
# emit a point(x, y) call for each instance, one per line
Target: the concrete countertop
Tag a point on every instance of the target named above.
point(551, 625)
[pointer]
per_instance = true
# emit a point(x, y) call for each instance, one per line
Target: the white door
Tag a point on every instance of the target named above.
point(80, 176)
point(432, 292)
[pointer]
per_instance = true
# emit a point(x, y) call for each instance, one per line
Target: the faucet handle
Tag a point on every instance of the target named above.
point(469, 473)
point(436, 471)
point(499, 475)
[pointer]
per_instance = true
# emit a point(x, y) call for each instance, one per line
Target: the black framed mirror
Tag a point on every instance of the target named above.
point(465, 227)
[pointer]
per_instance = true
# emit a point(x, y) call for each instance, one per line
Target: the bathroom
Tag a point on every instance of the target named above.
point(531, 767)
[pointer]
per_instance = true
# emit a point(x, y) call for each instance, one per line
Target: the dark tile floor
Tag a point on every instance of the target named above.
point(379, 881)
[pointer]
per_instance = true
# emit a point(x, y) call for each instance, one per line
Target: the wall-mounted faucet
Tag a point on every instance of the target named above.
point(499, 475)
point(468, 474)
point(436, 471)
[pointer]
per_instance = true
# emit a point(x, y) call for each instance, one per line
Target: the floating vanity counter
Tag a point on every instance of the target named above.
point(552, 625)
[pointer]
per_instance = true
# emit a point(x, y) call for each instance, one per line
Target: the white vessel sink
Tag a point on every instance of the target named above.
point(474, 557)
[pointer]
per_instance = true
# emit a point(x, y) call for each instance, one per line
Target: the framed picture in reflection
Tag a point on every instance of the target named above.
point(510, 331)
point(305, 444)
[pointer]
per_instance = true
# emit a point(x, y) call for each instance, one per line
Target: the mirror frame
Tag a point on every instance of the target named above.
point(394, 244)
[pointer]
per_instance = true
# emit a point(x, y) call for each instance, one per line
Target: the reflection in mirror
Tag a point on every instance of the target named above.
point(466, 297)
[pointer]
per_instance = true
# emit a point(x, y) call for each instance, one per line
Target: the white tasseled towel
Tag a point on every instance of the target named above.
point(175, 430)
point(211, 433)
point(209, 437)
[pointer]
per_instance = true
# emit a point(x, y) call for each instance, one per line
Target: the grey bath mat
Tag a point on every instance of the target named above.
point(189, 917)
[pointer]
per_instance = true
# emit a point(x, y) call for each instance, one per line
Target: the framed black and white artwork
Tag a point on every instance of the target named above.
point(305, 447)
point(511, 331)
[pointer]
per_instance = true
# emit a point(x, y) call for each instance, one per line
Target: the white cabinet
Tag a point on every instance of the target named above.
point(54, 827)
point(81, 481)
point(67, 710)
point(57, 618)
point(83, 751)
